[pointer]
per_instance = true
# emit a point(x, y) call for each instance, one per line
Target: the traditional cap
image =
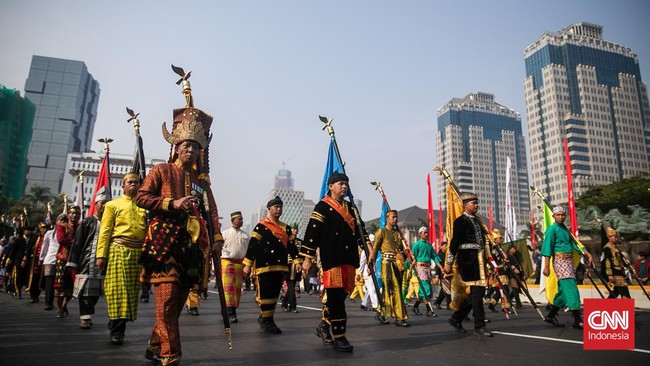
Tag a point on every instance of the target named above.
point(42, 225)
point(422, 229)
point(235, 215)
point(337, 177)
point(559, 209)
point(101, 195)
point(130, 175)
point(274, 202)
point(75, 208)
point(468, 197)
point(610, 231)
point(496, 234)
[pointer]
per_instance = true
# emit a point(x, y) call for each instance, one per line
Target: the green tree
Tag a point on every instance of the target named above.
point(618, 195)
point(38, 196)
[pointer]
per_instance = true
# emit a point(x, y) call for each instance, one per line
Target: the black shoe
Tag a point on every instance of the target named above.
point(49, 307)
point(378, 317)
point(416, 310)
point(295, 311)
point(233, 319)
point(194, 311)
point(401, 323)
point(432, 314)
point(117, 340)
point(323, 332)
point(60, 314)
point(284, 308)
point(577, 325)
point(519, 306)
point(492, 308)
point(457, 325)
point(438, 307)
point(483, 331)
point(267, 325)
point(553, 321)
point(33, 301)
point(342, 344)
point(149, 355)
point(486, 321)
point(144, 299)
point(187, 309)
point(363, 307)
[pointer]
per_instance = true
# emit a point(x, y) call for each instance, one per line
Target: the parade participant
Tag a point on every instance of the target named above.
point(333, 231)
point(63, 282)
point(443, 294)
point(493, 292)
point(121, 234)
point(388, 242)
point(613, 265)
point(17, 260)
point(424, 254)
point(370, 299)
point(270, 245)
point(48, 258)
point(176, 253)
point(642, 267)
point(34, 265)
point(88, 281)
point(468, 253)
point(289, 301)
point(235, 245)
point(559, 244)
point(515, 271)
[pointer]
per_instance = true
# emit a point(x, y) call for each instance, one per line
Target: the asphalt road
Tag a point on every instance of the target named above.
point(31, 336)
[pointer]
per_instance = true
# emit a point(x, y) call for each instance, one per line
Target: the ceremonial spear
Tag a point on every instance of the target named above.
point(205, 210)
point(451, 182)
point(361, 235)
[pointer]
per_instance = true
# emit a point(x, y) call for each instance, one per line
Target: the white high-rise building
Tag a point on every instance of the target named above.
point(588, 90)
point(89, 163)
point(475, 137)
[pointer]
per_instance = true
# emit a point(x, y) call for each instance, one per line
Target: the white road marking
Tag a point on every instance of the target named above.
point(556, 340)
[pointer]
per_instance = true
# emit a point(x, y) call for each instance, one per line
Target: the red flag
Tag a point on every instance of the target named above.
point(569, 181)
point(103, 184)
point(433, 239)
point(490, 216)
point(442, 232)
point(533, 239)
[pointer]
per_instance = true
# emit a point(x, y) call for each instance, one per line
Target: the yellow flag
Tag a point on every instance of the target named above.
point(459, 290)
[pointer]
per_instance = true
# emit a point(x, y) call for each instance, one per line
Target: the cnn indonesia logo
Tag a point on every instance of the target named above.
point(609, 324)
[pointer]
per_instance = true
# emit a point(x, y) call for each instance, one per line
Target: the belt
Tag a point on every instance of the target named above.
point(388, 256)
point(470, 246)
point(563, 255)
point(424, 264)
point(128, 242)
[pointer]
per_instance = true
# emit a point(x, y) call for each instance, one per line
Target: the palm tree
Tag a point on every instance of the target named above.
point(38, 196)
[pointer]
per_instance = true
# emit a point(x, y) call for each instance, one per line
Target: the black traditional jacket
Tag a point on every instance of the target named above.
point(270, 246)
point(333, 234)
point(467, 250)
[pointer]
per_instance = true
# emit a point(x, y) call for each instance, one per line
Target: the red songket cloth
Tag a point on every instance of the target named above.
point(340, 277)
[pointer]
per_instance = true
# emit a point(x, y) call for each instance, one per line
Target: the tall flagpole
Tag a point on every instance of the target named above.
point(361, 235)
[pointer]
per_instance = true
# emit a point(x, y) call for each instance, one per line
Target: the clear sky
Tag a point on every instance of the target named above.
point(266, 69)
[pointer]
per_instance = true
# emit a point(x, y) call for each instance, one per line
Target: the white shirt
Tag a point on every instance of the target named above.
point(235, 244)
point(50, 247)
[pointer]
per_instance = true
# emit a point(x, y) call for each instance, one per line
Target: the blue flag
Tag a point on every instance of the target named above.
point(333, 165)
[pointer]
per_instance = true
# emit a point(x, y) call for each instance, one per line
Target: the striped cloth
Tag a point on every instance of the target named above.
point(121, 284)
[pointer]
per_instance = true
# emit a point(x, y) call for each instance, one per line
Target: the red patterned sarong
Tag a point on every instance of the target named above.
point(165, 338)
point(340, 277)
